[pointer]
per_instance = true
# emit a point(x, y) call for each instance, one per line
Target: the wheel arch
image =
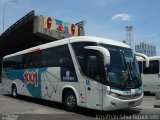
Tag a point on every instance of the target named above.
point(14, 84)
point(67, 88)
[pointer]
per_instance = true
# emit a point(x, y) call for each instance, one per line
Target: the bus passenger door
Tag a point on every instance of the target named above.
point(93, 81)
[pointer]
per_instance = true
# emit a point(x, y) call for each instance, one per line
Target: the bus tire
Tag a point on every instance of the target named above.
point(70, 101)
point(14, 91)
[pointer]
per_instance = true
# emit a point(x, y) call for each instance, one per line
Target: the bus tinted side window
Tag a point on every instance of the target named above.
point(93, 68)
point(10, 63)
point(30, 60)
point(52, 57)
point(153, 67)
point(46, 58)
point(62, 57)
point(89, 61)
point(81, 53)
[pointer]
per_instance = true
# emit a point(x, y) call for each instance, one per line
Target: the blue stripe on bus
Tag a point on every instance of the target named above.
point(28, 77)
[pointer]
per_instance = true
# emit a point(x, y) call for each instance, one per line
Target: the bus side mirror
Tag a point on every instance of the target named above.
point(145, 57)
point(104, 51)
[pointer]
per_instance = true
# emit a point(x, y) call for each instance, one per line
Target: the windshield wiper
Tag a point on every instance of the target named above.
point(132, 72)
point(129, 72)
point(125, 62)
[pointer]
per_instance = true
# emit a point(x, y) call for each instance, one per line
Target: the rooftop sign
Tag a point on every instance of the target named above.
point(60, 26)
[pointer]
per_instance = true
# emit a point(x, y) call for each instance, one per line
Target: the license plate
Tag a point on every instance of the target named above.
point(130, 104)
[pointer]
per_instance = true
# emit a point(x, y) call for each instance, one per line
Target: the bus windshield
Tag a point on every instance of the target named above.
point(123, 70)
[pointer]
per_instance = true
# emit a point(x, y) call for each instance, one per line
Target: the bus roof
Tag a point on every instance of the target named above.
point(72, 40)
point(98, 40)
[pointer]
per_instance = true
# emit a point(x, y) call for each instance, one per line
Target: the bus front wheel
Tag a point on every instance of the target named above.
point(14, 91)
point(70, 101)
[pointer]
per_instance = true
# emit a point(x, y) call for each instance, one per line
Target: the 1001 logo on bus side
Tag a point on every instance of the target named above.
point(31, 77)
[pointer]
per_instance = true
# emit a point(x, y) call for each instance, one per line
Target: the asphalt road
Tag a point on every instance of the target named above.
point(26, 108)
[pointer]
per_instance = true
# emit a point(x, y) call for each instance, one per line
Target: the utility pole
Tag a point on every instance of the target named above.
point(129, 36)
point(4, 10)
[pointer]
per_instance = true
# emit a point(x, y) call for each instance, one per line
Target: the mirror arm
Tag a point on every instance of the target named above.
point(104, 51)
point(143, 56)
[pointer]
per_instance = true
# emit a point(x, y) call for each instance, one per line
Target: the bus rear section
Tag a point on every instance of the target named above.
point(90, 72)
point(151, 75)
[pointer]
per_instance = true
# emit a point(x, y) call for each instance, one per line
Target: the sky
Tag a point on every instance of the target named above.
point(103, 18)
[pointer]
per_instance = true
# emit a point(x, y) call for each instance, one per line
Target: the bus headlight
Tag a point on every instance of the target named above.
point(113, 94)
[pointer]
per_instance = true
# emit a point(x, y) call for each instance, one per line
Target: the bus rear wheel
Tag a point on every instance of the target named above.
point(14, 91)
point(70, 101)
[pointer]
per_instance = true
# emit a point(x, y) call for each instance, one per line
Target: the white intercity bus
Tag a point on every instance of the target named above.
point(90, 72)
point(151, 75)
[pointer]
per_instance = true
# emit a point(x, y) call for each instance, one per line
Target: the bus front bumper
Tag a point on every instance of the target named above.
point(113, 103)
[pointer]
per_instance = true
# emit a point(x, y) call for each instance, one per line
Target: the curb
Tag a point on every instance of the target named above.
point(157, 99)
point(156, 104)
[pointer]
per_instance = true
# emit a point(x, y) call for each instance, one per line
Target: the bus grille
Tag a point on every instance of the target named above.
point(128, 97)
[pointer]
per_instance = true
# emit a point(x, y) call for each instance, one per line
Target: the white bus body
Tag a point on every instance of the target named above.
point(91, 72)
point(151, 75)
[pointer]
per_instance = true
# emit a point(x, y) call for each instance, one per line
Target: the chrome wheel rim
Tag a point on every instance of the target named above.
point(14, 92)
point(71, 100)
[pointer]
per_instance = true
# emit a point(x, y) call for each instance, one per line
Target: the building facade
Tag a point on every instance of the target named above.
point(146, 48)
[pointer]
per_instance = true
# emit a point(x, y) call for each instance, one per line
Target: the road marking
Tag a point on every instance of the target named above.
point(147, 107)
point(148, 98)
